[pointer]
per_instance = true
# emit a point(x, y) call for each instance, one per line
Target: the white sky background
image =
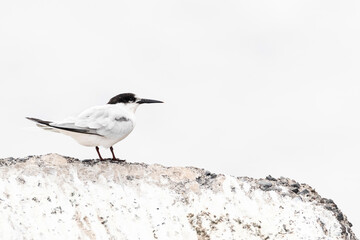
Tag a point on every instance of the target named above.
point(251, 88)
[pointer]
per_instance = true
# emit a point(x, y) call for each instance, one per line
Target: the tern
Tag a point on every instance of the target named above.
point(100, 125)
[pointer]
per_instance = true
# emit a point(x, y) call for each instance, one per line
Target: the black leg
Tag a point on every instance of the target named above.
point(112, 151)
point(114, 158)
point(97, 149)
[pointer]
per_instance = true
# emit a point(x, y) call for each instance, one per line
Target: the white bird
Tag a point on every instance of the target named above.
point(100, 125)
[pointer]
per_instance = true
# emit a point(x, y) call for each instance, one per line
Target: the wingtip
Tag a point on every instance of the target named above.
point(32, 119)
point(38, 120)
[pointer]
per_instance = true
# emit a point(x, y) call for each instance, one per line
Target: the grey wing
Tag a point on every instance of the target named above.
point(67, 126)
point(108, 121)
point(73, 128)
point(99, 120)
point(92, 121)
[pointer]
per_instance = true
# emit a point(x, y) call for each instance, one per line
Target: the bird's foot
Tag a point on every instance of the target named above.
point(118, 160)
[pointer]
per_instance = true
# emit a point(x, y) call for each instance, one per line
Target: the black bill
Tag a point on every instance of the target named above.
point(143, 100)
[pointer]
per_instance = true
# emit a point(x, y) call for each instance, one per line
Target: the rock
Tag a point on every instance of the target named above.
point(265, 185)
point(270, 178)
point(304, 192)
point(56, 197)
point(295, 185)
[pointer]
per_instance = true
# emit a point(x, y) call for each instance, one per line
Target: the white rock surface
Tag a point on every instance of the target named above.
point(54, 197)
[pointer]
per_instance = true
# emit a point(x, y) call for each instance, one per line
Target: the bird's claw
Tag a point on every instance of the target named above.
point(118, 160)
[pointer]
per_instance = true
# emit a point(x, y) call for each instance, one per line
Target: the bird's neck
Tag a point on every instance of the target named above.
point(131, 107)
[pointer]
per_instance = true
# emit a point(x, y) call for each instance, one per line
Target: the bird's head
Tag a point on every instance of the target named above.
point(130, 100)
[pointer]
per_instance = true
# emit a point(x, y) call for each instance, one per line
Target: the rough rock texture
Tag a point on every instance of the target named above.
point(55, 197)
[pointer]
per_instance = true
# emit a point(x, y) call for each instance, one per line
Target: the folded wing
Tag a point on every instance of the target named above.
point(100, 120)
point(71, 127)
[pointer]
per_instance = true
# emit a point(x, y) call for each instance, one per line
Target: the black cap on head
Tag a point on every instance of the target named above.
point(123, 98)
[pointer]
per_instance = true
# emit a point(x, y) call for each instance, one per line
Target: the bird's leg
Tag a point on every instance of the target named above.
point(114, 158)
point(112, 151)
point(97, 149)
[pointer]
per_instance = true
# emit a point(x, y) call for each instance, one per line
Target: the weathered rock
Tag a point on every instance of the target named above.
point(55, 197)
